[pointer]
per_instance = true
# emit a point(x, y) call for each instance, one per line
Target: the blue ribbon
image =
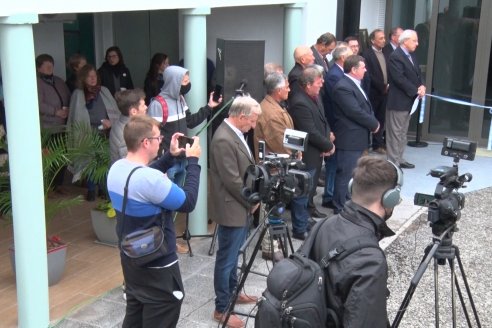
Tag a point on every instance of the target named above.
point(459, 102)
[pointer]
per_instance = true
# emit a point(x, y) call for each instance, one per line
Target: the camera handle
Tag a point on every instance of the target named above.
point(440, 250)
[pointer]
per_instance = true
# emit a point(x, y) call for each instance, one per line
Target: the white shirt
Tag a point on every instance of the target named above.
point(357, 83)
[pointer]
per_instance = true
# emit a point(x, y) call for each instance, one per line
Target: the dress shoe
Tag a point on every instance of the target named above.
point(380, 150)
point(328, 204)
point(233, 322)
point(274, 257)
point(181, 249)
point(246, 299)
point(406, 165)
point(317, 214)
point(300, 236)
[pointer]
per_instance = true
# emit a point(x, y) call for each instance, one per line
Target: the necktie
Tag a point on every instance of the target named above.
point(410, 58)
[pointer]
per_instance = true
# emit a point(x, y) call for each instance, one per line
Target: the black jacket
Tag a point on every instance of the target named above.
point(360, 279)
point(108, 74)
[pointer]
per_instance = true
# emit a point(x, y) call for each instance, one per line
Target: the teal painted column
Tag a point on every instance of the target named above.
point(195, 59)
point(293, 32)
point(22, 112)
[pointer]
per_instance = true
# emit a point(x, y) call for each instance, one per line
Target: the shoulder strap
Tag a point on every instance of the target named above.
point(307, 245)
point(165, 110)
point(125, 197)
point(348, 247)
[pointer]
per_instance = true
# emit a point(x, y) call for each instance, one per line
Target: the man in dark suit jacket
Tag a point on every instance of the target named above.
point(307, 113)
point(324, 46)
point(393, 41)
point(376, 65)
point(405, 84)
point(229, 159)
point(335, 73)
point(354, 119)
point(303, 57)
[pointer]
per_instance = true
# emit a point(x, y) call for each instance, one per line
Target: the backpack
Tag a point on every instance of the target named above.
point(297, 293)
point(165, 110)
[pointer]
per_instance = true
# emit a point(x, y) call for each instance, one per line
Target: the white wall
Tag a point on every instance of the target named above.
point(48, 38)
point(372, 14)
point(320, 16)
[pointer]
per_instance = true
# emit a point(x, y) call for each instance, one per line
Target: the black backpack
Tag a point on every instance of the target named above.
point(297, 294)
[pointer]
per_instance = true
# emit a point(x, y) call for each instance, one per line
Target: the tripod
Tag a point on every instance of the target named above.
point(187, 235)
point(441, 249)
point(278, 230)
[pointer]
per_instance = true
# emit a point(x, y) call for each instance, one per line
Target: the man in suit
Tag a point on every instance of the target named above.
point(405, 85)
point(354, 119)
point(376, 65)
point(229, 158)
point(393, 41)
point(303, 57)
point(324, 46)
point(307, 113)
point(341, 52)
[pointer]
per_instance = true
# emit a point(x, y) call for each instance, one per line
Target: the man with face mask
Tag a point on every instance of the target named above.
point(361, 278)
point(179, 117)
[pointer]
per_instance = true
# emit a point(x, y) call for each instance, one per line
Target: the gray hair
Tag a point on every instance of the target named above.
point(270, 68)
point(310, 74)
point(244, 105)
point(274, 81)
point(340, 51)
point(405, 35)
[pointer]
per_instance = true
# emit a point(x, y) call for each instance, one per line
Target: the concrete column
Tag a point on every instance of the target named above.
point(26, 176)
point(195, 59)
point(293, 32)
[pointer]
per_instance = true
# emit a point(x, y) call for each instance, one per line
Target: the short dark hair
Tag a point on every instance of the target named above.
point(118, 52)
point(138, 128)
point(41, 59)
point(351, 38)
point(371, 178)
point(326, 39)
point(128, 99)
point(372, 36)
point(351, 62)
point(74, 61)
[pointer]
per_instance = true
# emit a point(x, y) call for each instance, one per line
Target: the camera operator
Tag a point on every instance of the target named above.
point(360, 279)
point(229, 158)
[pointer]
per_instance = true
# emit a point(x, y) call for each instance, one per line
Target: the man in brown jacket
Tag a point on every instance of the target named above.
point(229, 158)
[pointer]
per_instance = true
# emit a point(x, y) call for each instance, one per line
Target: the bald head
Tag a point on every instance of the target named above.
point(303, 55)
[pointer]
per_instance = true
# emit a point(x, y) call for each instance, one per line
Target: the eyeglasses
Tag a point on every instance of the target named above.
point(150, 138)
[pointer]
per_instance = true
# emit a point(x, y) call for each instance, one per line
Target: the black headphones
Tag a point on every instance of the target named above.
point(391, 197)
point(257, 177)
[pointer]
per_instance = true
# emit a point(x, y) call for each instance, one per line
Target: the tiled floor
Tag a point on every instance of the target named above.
point(91, 269)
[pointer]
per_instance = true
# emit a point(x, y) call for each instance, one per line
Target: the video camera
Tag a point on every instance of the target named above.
point(446, 204)
point(279, 177)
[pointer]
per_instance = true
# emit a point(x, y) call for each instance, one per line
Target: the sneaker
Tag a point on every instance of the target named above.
point(233, 322)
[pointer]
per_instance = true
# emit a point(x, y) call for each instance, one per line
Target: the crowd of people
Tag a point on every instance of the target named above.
point(352, 104)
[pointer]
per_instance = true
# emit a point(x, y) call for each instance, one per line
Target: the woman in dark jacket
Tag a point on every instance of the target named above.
point(113, 73)
point(153, 80)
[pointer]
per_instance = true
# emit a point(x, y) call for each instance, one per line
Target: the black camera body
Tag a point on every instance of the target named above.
point(446, 204)
point(276, 180)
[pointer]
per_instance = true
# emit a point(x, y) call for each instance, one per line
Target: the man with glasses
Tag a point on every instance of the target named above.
point(154, 292)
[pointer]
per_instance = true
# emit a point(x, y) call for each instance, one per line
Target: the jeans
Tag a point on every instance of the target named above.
point(346, 163)
point(299, 214)
point(330, 174)
point(176, 173)
point(225, 274)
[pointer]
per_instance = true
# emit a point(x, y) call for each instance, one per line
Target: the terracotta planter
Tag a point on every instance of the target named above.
point(104, 228)
point(56, 262)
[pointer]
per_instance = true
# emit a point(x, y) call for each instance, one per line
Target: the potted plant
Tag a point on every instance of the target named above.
point(54, 158)
point(90, 160)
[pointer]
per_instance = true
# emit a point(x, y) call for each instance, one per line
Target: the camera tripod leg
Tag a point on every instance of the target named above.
point(436, 292)
point(428, 255)
point(244, 271)
point(468, 291)
point(211, 250)
point(187, 235)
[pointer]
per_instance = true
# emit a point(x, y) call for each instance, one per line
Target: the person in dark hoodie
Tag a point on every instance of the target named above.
point(113, 73)
point(179, 117)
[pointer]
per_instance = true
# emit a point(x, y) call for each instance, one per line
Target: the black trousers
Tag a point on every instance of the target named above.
point(153, 296)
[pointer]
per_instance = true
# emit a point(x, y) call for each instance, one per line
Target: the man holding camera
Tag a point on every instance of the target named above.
point(155, 291)
point(229, 158)
point(361, 278)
